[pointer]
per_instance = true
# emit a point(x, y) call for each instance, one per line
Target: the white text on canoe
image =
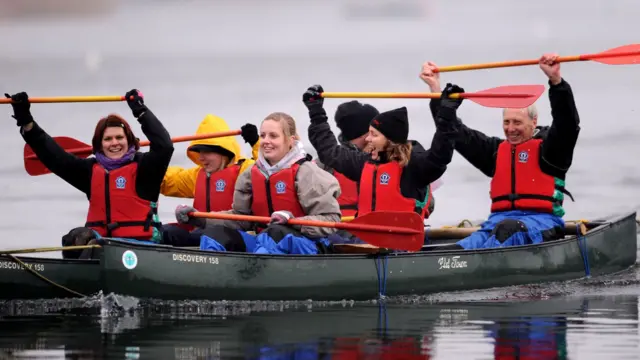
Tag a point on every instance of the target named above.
point(453, 262)
point(196, 259)
point(10, 265)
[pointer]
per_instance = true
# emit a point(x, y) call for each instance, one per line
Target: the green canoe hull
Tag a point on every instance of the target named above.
point(163, 272)
point(63, 278)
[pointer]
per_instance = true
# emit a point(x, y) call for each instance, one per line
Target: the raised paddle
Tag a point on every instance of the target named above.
point(68, 99)
point(622, 55)
point(386, 229)
point(512, 96)
point(35, 167)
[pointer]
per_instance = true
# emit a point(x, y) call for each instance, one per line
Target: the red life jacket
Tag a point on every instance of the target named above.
point(380, 191)
point(220, 196)
point(278, 192)
point(348, 198)
point(115, 209)
point(353, 349)
point(519, 183)
point(512, 349)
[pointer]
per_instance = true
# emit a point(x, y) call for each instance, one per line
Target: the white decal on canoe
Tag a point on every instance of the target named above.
point(129, 259)
point(10, 265)
point(453, 262)
point(196, 259)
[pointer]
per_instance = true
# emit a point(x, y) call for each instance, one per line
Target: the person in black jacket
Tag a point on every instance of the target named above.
point(395, 175)
point(121, 183)
point(528, 168)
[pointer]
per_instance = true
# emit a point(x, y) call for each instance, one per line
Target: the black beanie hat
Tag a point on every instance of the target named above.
point(353, 119)
point(393, 124)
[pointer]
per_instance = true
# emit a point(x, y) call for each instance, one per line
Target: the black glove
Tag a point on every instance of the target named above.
point(312, 98)
point(21, 105)
point(447, 102)
point(137, 104)
point(249, 134)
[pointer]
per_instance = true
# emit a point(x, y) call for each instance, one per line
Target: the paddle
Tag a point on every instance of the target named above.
point(35, 167)
point(512, 96)
point(47, 249)
point(622, 55)
point(388, 229)
point(460, 233)
point(67, 99)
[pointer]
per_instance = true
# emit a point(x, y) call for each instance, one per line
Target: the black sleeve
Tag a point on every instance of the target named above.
point(558, 146)
point(349, 162)
point(427, 166)
point(70, 168)
point(153, 164)
point(477, 148)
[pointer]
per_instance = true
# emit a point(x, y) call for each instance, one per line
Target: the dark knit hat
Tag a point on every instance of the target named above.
point(393, 124)
point(353, 118)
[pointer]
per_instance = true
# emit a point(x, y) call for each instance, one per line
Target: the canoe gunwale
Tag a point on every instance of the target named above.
point(602, 226)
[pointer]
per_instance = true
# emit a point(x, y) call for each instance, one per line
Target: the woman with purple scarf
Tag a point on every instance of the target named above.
point(121, 183)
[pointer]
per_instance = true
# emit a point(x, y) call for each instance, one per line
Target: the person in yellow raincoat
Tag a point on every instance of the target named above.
point(211, 182)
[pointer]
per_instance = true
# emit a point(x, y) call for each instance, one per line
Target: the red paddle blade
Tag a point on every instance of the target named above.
point(512, 96)
point(35, 167)
point(622, 55)
point(390, 229)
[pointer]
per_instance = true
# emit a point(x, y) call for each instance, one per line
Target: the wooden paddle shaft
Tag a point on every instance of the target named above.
point(460, 233)
point(329, 224)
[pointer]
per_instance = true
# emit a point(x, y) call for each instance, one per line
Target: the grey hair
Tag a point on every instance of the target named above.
point(531, 111)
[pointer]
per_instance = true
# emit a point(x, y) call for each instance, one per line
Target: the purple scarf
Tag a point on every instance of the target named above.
point(111, 164)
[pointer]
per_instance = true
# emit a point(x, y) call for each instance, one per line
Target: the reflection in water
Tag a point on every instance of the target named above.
point(530, 338)
point(558, 328)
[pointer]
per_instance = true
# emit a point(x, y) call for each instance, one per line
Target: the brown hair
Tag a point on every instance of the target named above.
point(287, 121)
point(113, 120)
point(399, 152)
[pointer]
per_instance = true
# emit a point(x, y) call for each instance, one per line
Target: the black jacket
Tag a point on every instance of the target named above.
point(556, 150)
point(424, 167)
point(77, 171)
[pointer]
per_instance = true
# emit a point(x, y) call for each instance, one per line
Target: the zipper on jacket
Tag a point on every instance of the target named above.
point(269, 201)
point(375, 181)
point(208, 192)
point(107, 202)
point(513, 176)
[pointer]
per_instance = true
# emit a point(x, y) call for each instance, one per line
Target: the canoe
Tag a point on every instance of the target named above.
point(164, 272)
point(47, 278)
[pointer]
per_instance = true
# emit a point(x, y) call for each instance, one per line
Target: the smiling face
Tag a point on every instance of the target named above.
point(376, 140)
point(114, 142)
point(273, 142)
point(212, 161)
point(518, 125)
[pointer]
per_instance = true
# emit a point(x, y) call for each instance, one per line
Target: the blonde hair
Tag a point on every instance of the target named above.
point(399, 152)
point(287, 122)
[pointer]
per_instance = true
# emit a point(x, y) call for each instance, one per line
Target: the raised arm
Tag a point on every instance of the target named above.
point(153, 164)
point(559, 144)
point(342, 159)
point(427, 166)
point(70, 168)
point(477, 148)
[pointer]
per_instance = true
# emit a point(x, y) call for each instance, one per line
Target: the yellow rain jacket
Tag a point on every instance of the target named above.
point(181, 182)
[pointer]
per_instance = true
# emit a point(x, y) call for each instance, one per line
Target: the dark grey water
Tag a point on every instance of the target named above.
point(243, 59)
point(577, 320)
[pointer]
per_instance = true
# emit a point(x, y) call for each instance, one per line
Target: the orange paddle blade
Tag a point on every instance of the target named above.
point(35, 167)
point(622, 55)
point(385, 229)
point(68, 99)
point(512, 96)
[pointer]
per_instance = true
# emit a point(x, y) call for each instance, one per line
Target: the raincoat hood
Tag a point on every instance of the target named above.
point(212, 124)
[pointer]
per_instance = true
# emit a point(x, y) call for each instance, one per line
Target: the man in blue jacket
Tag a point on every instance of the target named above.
point(528, 168)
